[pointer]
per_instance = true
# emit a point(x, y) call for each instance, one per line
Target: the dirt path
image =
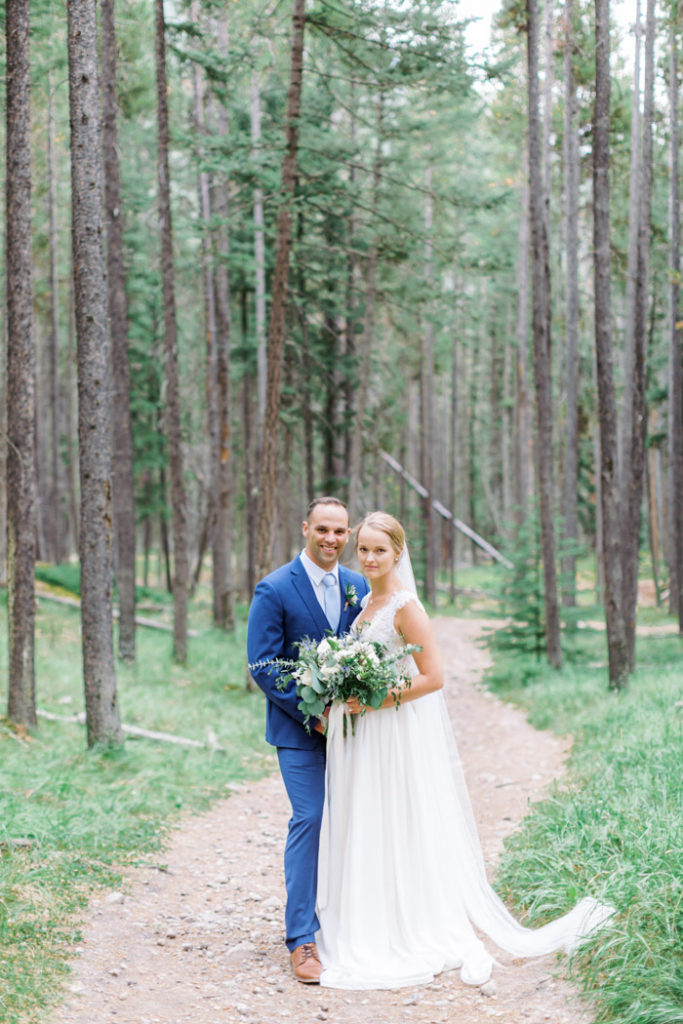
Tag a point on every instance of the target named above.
point(202, 941)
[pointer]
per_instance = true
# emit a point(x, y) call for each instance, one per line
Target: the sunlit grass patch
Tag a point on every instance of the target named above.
point(614, 828)
point(70, 818)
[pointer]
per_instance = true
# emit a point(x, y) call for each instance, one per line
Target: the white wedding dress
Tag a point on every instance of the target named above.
point(401, 878)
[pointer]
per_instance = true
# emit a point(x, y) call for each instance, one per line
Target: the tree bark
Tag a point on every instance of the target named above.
point(122, 437)
point(259, 256)
point(609, 475)
point(351, 312)
point(55, 540)
point(634, 458)
point(571, 180)
point(548, 16)
point(278, 313)
point(204, 188)
point(675, 437)
point(181, 568)
point(453, 461)
point(523, 413)
point(94, 382)
point(624, 440)
point(70, 417)
point(541, 332)
point(21, 372)
point(358, 411)
point(427, 401)
point(224, 588)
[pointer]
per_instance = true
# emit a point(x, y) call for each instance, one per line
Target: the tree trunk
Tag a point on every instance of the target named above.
point(55, 542)
point(675, 438)
point(259, 255)
point(541, 332)
point(599, 537)
point(173, 427)
point(204, 188)
point(523, 412)
point(548, 16)
point(356, 507)
point(71, 387)
point(250, 485)
point(124, 494)
point(653, 518)
point(278, 313)
point(571, 179)
point(609, 475)
point(351, 312)
point(428, 398)
point(224, 588)
point(21, 372)
point(94, 409)
point(634, 457)
point(331, 385)
point(453, 460)
point(631, 269)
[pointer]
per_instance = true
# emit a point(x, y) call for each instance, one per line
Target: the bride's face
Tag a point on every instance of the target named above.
point(375, 553)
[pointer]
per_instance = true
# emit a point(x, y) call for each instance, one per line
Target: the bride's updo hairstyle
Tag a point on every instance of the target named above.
point(387, 524)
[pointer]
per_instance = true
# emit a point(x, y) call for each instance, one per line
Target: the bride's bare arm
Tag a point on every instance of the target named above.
point(414, 626)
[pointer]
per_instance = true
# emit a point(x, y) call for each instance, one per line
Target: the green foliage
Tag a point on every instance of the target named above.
point(64, 577)
point(70, 819)
point(615, 831)
point(67, 577)
point(522, 594)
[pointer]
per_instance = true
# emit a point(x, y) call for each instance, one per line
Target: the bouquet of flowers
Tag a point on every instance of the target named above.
point(340, 667)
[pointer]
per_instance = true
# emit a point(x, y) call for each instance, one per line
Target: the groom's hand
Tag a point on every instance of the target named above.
point(320, 726)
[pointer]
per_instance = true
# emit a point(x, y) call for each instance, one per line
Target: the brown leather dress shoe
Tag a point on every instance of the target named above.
point(306, 964)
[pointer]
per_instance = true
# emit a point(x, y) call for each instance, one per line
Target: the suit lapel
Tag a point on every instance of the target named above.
point(347, 612)
point(304, 588)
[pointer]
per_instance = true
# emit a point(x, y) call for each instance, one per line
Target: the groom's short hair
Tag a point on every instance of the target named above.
point(324, 500)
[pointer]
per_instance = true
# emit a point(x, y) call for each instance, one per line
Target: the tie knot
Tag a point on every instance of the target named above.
point(329, 579)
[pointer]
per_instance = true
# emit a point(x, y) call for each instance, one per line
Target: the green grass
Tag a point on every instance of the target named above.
point(71, 818)
point(615, 828)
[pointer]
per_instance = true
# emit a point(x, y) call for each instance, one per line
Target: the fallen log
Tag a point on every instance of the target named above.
point(140, 620)
point(444, 512)
point(138, 732)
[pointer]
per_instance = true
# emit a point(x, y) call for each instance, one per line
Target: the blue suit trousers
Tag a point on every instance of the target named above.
point(303, 773)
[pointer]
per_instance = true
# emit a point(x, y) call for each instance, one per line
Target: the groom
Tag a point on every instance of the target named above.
point(308, 597)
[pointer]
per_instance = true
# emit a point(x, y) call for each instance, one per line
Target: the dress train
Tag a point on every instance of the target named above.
point(401, 876)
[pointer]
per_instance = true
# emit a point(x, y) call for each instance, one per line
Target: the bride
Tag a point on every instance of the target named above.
point(401, 878)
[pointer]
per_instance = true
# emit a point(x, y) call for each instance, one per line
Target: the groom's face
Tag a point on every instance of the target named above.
point(326, 531)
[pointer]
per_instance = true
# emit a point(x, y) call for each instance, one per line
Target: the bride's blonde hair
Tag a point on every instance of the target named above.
point(387, 524)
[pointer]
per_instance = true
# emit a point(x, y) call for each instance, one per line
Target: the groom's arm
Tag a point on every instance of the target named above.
point(266, 641)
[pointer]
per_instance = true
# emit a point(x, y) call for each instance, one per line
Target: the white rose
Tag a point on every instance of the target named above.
point(324, 647)
point(305, 678)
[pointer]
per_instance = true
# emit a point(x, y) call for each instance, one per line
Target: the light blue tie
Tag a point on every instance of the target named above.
point(331, 600)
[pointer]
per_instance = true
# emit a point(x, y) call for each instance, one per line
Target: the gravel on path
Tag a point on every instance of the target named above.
point(197, 938)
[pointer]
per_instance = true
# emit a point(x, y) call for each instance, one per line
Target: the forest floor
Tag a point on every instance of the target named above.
point(197, 937)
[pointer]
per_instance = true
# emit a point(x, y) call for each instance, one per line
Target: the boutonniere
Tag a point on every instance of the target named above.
point(351, 596)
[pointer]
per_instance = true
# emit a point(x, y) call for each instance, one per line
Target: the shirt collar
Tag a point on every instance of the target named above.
point(314, 572)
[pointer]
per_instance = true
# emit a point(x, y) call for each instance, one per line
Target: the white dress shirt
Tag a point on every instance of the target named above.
point(315, 575)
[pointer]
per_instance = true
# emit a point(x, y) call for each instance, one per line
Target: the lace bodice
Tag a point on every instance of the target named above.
point(381, 626)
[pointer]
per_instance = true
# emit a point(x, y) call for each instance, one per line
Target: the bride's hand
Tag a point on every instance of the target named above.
point(355, 707)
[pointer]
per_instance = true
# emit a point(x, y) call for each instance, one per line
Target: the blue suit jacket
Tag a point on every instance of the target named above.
point(285, 609)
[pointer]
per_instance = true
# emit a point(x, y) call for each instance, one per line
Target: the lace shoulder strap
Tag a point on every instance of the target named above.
point(401, 599)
